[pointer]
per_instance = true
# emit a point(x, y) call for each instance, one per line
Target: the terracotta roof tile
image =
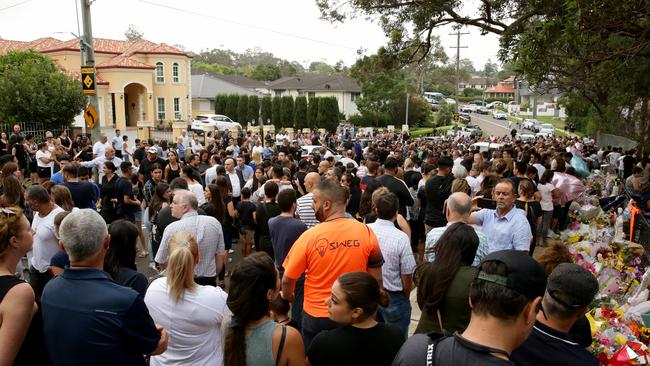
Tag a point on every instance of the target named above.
point(500, 88)
point(124, 62)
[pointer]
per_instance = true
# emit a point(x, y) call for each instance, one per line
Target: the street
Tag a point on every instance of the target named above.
point(491, 126)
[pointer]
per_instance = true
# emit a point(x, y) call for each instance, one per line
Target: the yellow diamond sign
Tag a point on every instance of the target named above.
point(88, 80)
point(91, 116)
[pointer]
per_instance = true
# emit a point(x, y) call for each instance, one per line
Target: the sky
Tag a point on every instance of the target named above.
point(290, 29)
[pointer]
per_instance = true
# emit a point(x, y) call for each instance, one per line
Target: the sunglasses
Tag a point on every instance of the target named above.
point(8, 212)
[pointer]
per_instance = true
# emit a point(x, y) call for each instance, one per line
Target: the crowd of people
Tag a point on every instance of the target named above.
point(331, 244)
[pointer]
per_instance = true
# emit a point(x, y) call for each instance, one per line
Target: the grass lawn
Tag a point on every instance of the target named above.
point(420, 131)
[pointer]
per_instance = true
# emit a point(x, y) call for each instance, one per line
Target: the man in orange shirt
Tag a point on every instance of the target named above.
point(335, 246)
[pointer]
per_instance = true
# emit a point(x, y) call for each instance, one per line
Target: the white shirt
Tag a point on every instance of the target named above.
point(540, 169)
point(118, 142)
point(211, 174)
point(346, 160)
point(208, 234)
point(46, 245)
point(234, 183)
point(396, 249)
point(99, 148)
point(97, 164)
point(547, 197)
point(193, 324)
point(197, 189)
point(473, 183)
point(44, 154)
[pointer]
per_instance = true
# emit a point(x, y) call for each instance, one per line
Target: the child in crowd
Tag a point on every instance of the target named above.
point(246, 215)
point(280, 312)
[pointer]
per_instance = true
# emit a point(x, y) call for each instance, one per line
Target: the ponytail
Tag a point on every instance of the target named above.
point(180, 266)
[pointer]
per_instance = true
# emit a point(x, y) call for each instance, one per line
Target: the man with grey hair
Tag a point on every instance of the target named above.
point(205, 229)
point(459, 207)
point(96, 163)
point(85, 312)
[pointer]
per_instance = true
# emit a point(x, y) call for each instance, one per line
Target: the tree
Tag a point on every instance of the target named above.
point(321, 67)
point(286, 112)
point(312, 112)
point(276, 113)
point(242, 109)
point(133, 34)
point(267, 108)
point(253, 109)
point(220, 102)
point(300, 113)
point(231, 106)
point(490, 71)
point(266, 72)
point(33, 89)
point(472, 92)
point(328, 114)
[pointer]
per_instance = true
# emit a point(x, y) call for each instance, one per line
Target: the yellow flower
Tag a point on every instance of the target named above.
point(620, 339)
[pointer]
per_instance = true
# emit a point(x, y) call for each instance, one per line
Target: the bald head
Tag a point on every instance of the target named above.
point(459, 206)
point(311, 181)
point(109, 153)
point(323, 166)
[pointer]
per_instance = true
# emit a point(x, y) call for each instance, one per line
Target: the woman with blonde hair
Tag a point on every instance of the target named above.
point(192, 313)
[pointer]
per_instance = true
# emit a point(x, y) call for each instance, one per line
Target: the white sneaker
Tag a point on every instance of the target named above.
point(230, 251)
point(550, 233)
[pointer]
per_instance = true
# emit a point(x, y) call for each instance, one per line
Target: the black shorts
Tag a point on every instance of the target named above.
point(44, 172)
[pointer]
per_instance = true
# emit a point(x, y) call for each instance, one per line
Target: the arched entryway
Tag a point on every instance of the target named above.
point(135, 104)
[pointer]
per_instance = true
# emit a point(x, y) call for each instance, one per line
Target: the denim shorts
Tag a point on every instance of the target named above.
point(138, 215)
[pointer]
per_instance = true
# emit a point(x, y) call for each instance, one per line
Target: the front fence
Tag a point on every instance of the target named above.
point(37, 129)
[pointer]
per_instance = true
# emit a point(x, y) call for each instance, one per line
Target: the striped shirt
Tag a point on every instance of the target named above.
point(396, 249)
point(208, 234)
point(432, 238)
point(305, 212)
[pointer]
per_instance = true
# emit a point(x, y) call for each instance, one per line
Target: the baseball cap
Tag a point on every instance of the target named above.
point(572, 286)
point(152, 150)
point(523, 274)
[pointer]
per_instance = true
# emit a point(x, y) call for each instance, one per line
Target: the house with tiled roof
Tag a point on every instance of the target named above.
point(136, 81)
point(206, 86)
point(476, 82)
point(503, 89)
point(341, 86)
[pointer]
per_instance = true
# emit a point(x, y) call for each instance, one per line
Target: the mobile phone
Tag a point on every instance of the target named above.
point(486, 203)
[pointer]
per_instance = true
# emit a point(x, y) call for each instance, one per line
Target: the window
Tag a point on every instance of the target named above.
point(161, 108)
point(160, 73)
point(311, 94)
point(354, 96)
point(175, 73)
point(177, 108)
point(278, 93)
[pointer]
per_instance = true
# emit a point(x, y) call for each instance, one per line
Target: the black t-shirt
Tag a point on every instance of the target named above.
point(398, 187)
point(83, 194)
point(300, 177)
point(450, 351)
point(124, 188)
point(245, 210)
point(145, 167)
point(355, 346)
point(437, 189)
point(139, 155)
point(263, 213)
point(366, 180)
point(547, 346)
point(383, 155)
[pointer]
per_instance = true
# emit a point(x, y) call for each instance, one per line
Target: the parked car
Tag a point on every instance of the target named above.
point(468, 131)
point(435, 106)
point(477, 102)
point(525, 136)
point(309, 150)
point(497, 114)
point(546, 130)
point(495, 104)
point(220, 123)
point(450, 100)
point(482, 110)
point(465, 117)
point(469, 108)
point(531, 124)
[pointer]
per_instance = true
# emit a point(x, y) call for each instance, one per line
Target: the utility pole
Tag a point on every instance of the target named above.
point(458, 47)
point(86, 40)
point(407, 110)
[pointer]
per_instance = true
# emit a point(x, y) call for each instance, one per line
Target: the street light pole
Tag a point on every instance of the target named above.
point(458, 47)
point(86, 40)
point(407, 110)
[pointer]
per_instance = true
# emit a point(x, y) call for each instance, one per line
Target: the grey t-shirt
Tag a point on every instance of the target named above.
point(449, 351)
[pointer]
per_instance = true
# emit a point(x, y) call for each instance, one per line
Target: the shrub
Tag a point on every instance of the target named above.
point(276, 116)
point(312, 112)
point(328, 114)
point(220, 102)
point(253, 109)
point(286, 111)
point(267, 110)
point(300, 113)
point(231, 106)
point(242, 109)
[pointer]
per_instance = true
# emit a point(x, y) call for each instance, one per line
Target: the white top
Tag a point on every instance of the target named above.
point(46, 245)
point(193, 324)
point(235, 183)
point(197, 189)
point(99, 148)
point(547, 198)
point(44, 154)
point(540, 169)
point(118, 142)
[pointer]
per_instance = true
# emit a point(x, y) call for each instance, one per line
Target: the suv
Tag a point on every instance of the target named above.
point(220, 123)
point(469, 108)
point(531, 124)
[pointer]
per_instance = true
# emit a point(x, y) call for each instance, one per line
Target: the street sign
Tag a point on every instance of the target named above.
point(88, 80)
point(456, 117)
point(91, 116)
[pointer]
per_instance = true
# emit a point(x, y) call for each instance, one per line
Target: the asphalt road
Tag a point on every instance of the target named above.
point(491, 126)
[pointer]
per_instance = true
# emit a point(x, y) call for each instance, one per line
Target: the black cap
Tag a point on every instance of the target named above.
point(572, 286)
point(524, 274)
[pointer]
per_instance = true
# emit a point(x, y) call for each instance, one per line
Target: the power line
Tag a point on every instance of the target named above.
point(14, 5)
point(246, 25)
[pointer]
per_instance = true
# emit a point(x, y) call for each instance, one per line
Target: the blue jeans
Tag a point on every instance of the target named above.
point(398, 311)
